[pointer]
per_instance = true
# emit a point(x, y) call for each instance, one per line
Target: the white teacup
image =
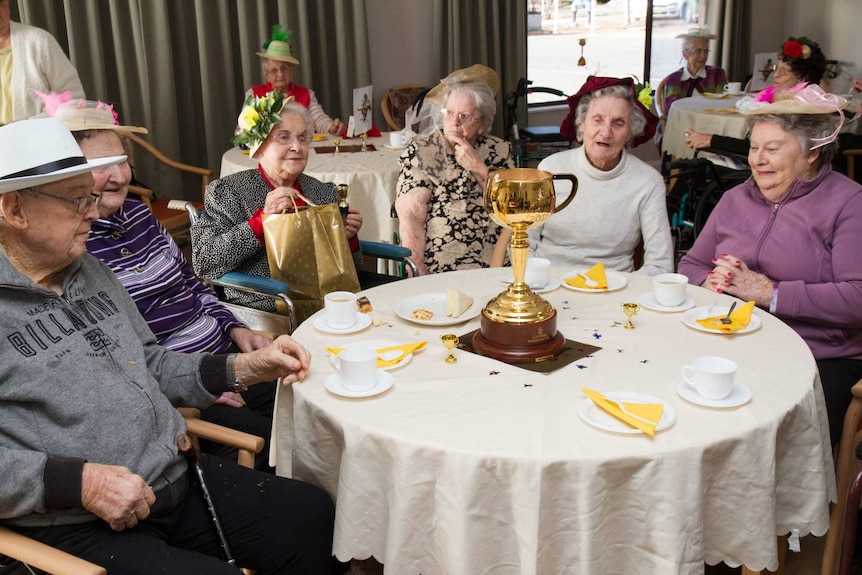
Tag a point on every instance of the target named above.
point(537, 272)
point(669, 289)
point(711, 376)
point(397, 139)
point(358, 367)
point(339, 308)
point(733, 88)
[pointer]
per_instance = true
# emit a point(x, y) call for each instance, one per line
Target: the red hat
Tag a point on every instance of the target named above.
point(593, 83)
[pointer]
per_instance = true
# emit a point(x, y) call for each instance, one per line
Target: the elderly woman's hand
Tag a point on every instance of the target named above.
point(732, 276)
point(697, 140)
point(352, 223)
point(467, 157)
point(278, 200)
point(335, 126)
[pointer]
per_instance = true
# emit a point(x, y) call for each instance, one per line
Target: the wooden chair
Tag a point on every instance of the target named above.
point(177, 223)
point(397, 101)
point(845, 467)
point(56, 562)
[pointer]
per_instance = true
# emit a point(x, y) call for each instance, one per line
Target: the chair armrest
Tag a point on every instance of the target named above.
point(249, 282)
point(389, 252)
point(43, 556)
point(245, 443)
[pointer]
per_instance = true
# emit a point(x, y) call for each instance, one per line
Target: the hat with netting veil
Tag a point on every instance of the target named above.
point(278, 47)
point(80, 115)
point(475, 73)
point(40, 151)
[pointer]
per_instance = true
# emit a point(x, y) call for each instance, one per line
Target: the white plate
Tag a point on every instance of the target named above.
point(384, 382)
point(376, 344)
point(739, 395)
point(598, 417)
point(363, 320)
point(388, 147)
point(551, 285)
point(438, 304)
point(703, 312)
point(616, 281)
point(648, 301)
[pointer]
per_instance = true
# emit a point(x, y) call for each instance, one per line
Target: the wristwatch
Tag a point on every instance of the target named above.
point(233, 383)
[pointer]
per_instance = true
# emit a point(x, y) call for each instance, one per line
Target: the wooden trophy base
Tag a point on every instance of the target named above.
point(519, 342)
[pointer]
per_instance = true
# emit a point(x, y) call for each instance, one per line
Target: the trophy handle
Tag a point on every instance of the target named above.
point(574, 180)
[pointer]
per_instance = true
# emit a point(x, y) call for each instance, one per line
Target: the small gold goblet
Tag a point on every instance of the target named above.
point(336, 140)
point(364, 148)
point(630, 309)
point(450, 340)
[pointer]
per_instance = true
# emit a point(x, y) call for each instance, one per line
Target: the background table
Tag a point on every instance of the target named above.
point(482, 467)
point(372, 177)
point(692, 113)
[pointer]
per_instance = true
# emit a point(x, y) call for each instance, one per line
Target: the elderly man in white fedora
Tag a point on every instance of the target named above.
point(88, 430)
point(278, 67)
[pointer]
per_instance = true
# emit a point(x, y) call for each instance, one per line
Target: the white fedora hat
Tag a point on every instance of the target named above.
point(40, 151)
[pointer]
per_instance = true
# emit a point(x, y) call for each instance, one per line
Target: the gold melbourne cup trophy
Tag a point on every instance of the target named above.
point(519, 326)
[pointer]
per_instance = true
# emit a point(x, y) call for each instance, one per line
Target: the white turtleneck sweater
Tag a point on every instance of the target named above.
point(605, 221)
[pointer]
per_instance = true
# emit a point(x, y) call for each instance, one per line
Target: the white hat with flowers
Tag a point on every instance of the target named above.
point(257, 117)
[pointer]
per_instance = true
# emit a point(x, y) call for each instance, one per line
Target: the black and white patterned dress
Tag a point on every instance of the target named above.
point(459, 232)
point(222, 239)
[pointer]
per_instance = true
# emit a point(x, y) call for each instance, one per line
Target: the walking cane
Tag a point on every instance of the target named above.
point(193, 454)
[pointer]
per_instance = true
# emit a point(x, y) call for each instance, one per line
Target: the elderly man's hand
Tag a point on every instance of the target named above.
point(278, 200)
point(115, 494)
point(285, 358)
point(247, 339)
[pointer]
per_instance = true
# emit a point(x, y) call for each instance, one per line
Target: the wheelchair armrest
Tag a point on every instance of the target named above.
point(249, 282)
point(389, 252)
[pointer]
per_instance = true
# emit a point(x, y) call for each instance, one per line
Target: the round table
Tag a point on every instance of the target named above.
point(701, 114)
point(484, 467)
point(372, 177)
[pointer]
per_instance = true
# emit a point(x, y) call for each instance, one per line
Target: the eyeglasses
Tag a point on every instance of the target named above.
point(82, 203)
point(275, 70)
point(286, 138)
point(463, 119)
point(699, 51)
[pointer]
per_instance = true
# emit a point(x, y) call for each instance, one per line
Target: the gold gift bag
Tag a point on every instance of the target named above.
point(308, 249)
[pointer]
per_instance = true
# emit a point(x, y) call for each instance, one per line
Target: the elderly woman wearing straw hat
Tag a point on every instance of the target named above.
point(441, 186)
point(620, 199)
point(278, 67)
point(183, 313)
point(789, 237)
point(800, 62)
point(696, 76)
point(88, 429)
point(229, 234)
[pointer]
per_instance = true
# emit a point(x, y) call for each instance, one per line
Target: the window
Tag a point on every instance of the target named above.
point(614, 34)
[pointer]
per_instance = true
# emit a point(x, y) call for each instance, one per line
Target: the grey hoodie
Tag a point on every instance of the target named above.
point(82, 378)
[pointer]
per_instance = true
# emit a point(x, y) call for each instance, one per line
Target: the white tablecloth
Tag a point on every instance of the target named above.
point(482, 467)
point(690, 113)
point(372, 177)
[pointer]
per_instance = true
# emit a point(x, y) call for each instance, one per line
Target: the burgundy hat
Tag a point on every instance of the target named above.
point(593, 83)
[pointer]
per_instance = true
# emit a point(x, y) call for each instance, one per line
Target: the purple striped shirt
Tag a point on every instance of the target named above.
point(184, 314)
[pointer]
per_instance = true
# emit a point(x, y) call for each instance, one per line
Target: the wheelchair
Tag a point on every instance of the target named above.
point(532, 143)
point(696, 186)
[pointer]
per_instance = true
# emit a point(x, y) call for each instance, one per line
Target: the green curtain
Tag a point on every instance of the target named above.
point(180, 67)
point(489, 32)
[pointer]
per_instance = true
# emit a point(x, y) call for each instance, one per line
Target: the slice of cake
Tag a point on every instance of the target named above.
point(459, 302)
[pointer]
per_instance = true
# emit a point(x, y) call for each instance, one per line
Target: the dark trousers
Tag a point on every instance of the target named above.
point(837, 377)
point(273, 525)
point(255, 418)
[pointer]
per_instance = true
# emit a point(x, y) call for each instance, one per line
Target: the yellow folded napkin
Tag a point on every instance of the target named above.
point(595, 273)
point(643, 416)
point(405, 349)
point(319, 137)
point(739, 319)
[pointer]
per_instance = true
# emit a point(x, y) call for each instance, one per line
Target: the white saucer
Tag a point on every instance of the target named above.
point(388, 147)
point(363, 320)
point(550, 285)
point(739, 395)
point(375, 344)
point(691, 316)
point(383, 383)
point(598, 417)
point(616, 281)
point(648, 301)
